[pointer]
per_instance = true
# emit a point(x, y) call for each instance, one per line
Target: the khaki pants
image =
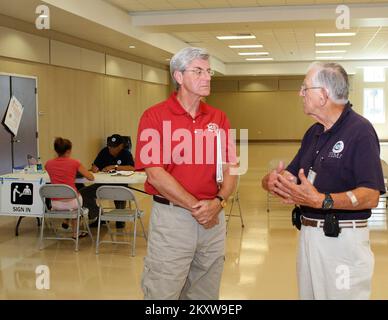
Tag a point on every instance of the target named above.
point(334, 268)
point(184, 260)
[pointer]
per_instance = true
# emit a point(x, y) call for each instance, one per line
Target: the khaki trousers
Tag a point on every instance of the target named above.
point(184, 260)
point(334, 268)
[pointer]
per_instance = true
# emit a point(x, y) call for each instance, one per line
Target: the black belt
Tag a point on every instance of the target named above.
point(164, 201)
point(342, 223)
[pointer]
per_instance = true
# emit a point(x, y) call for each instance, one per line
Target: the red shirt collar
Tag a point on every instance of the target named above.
point(177, 108)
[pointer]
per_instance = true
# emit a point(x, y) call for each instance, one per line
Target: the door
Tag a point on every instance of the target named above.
point(5, 136)
point(26, 140)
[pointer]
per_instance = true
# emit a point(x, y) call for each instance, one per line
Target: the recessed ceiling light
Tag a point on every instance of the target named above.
point(253, 53)
point(246, 46)
point(43, 16)
point(329, 44)
point(330, 51)
point(236, 37)
point(259, 59)
point(336, 34)
point(328, 58)
point(131, 47)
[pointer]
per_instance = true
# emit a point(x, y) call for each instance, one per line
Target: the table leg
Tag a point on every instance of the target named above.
point(17, 226)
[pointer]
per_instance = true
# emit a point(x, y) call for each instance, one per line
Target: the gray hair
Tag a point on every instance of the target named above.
point(333, 77)
point(183, 58)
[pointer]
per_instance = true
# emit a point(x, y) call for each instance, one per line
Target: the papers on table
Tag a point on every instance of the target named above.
point(123, 173)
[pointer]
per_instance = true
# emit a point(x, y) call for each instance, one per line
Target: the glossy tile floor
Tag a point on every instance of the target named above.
point(260, 258)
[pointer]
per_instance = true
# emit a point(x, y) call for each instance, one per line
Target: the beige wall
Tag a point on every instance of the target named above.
point(85, 107)
point(269, 108)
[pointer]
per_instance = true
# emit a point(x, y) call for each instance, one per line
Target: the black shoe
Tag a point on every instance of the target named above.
point(120, 224)
point(95, 224)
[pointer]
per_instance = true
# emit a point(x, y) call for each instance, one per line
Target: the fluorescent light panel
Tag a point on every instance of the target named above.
point(259, 59)
point(236, 37)
point(330, 51)
point(332, 44)
point(336, 34)
point(246, 46)
point(253, 53)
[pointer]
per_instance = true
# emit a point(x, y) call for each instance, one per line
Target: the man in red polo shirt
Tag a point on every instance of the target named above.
point(184, 147)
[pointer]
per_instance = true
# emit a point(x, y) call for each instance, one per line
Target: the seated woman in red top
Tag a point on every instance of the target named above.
point(63, 170)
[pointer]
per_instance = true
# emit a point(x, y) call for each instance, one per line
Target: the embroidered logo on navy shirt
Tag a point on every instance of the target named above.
point(337, 149)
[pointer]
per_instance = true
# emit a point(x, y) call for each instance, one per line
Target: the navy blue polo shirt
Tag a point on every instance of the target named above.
point(345, 157)
point(104, 159)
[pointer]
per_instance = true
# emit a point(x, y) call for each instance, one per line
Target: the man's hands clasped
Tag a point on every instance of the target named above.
point(206, 212)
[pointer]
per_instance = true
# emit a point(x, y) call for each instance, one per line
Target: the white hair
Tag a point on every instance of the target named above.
point(333, 77)
point(183, 58)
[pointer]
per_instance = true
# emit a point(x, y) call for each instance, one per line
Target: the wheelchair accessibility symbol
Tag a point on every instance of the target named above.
point(22, 193)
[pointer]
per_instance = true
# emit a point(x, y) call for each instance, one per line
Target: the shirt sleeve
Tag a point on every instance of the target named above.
point(367, 168)
point(77, 163)
point(149, 145)
point(127, 158)
point(294, 165)
point(99, 161)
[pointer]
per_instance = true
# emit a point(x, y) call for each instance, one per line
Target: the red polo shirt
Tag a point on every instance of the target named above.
point(169, 137)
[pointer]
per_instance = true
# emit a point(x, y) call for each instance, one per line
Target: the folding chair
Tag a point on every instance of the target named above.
point(62, 191)
point(111, 214)
point(236, 198)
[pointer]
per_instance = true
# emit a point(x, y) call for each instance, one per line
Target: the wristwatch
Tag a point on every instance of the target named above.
point(328, 202)
point(222, 200)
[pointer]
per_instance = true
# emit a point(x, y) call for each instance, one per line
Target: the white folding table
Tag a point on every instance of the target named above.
point(19, 192)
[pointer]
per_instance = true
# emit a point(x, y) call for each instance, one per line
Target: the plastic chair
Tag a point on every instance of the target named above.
point(235, 198)
point(62, 191)
point(111, 214)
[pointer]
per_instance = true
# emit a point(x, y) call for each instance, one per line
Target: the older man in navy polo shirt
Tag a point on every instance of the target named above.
point(335, 179)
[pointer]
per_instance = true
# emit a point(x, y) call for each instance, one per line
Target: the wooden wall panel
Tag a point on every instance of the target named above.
point(123, 68)
point(65, 55)
point(156, 75)
point(20, 45)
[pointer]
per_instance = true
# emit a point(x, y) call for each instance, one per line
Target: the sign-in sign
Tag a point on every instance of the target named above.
point(22, 193)
point(20, 197)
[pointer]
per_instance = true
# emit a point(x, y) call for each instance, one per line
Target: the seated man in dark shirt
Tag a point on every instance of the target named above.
point(113, 157)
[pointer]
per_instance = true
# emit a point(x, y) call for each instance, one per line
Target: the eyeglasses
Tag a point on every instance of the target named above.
point(303, 89)
point(199, 72)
